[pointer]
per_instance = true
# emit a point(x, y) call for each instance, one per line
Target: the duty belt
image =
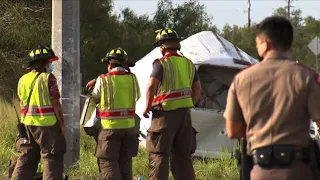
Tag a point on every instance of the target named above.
point(298, 155)
point(278, 156)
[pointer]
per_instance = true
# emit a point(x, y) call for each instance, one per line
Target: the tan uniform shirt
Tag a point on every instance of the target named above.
point(276, 99)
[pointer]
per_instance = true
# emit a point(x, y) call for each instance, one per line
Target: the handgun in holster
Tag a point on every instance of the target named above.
point(245, 162)
point(315, 159)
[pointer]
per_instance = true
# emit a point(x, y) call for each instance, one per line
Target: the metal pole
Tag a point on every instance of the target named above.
point(66, 44)
point(289, 4)
point(249, 9)
point(317, 69)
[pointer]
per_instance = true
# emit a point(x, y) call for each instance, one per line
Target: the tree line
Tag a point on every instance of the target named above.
point(26, 23)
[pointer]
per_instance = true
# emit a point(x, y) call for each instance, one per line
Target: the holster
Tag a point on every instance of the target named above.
point(315, 159)
point(244, 160)
point(22, 131)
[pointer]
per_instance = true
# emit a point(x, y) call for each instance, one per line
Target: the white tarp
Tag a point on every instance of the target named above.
point(204, 48)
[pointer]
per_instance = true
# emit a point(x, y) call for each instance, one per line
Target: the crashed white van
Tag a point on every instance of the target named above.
point(217, 62)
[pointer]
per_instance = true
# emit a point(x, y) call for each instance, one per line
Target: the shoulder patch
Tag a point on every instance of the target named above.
point(305, 66)
point(317, 75)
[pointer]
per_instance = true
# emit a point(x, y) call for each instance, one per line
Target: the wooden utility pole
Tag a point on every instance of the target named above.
point(249, 9)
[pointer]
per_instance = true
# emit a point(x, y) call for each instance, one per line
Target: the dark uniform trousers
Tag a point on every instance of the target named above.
point(115, 149)
point(298, 171)
point(46, 141)
point(14, 159)
point(171, 134)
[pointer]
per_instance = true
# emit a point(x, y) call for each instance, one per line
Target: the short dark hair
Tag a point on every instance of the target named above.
point(36, 64)
point(278, 31)
point(115, 63)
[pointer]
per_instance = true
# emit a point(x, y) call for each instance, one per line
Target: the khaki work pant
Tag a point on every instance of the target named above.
point(171, 134)
point(114, 151)
point(298, 171)
point(48, 142)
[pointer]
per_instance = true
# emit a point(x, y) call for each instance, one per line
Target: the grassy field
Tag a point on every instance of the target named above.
point(86, 169)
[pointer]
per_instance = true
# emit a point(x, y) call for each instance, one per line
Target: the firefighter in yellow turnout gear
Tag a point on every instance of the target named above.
point(116, 94)
point(173, 88)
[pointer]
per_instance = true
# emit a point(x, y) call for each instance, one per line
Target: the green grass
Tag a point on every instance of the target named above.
point(87, 169)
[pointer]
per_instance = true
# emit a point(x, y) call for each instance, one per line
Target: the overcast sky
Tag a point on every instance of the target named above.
point(226, 11)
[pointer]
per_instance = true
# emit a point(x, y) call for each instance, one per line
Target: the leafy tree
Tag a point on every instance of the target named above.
point(163, 14)
point(187, 18)
point(98, 30)
point(23, 25)
point(137, 34)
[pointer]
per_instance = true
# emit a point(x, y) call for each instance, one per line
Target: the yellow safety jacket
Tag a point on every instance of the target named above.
point(176, 86)
point(119, 94)
point(40, 111)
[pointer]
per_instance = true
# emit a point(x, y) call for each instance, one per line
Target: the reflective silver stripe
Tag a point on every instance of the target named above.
point(134, 90)
point(37, 107)
point(40, 89)
point(43, 89)
point(33, 110)
point(111, 91)
point(172, 99)
point(191, 72)
point(172, 74)
point(104, 82)
point(174, 91)
point(117, 117)
point(137, 88)
point(118, 110)
point(40, 114)
point(47, 90)
point(43, 94)
point(19, 85)
point(165, 74)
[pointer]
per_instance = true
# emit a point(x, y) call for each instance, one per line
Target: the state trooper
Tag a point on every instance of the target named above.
point(271, 104)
